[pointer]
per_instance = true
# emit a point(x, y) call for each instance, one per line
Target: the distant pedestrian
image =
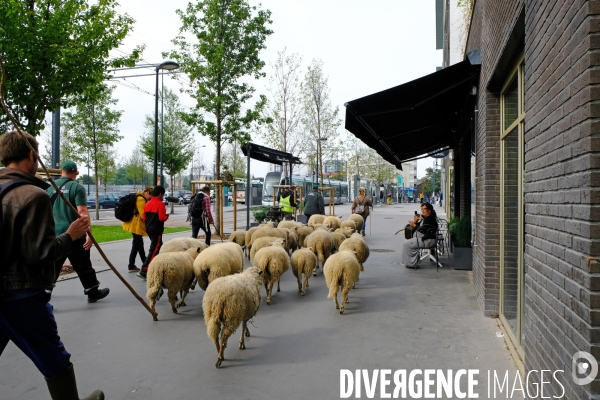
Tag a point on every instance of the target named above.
point(360, 206)
point(205, 220)
point(137, 227)
point(155, 215)
point(63, 217)
point(421, 197)
point(314, 203)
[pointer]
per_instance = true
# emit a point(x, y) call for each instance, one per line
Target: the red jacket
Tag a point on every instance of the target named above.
point(155, 215)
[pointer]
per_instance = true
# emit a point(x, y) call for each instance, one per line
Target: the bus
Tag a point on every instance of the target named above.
point(240, 187)
point(277, 178)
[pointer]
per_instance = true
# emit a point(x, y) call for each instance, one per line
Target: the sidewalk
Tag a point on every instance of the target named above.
point(397, 318)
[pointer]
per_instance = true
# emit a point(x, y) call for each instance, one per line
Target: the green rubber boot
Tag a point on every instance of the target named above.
point(64, 387)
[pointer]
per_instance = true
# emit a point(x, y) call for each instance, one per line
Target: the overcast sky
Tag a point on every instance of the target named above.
point(366, 47)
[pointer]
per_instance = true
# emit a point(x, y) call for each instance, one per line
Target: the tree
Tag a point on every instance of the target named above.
point(233, 160)
point(55, 50)
point(320, 117)
point(91, 130)
point(427, 181)
point(107, 168)
point(136, 168)
point(229, 35)
point(285, 106)
point(177, 142)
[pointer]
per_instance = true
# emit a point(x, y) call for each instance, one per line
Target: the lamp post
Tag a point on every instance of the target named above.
point(318, 155)
point(168, 66)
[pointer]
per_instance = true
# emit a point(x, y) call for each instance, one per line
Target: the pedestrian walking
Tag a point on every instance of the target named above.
point(360, 206)
point(314, 203)
point(155, 215)
point(30, 249)
point(137, 227)
point(63, 217)
point(204, 218)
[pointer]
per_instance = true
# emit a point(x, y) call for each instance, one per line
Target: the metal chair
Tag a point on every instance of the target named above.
point(442, 236)
point(427, 230)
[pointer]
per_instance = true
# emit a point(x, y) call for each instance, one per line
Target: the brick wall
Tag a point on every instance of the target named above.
point(561, 178)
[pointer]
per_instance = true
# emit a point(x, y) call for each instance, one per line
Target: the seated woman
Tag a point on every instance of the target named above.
point(423, 237)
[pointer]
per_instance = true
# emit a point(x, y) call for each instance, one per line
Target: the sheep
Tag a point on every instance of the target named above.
point(333, 221)
point(218, 260)
point(358, 219)
point(174, 272)
point(316, 219)
point(259, 243)
point(345, 231)
point(338, 238)
point(303, 233)
point(349, 224)
point(358, 245)
point(291, 225)
point(320, 226)
point(341, 269)
point(303, 261)
point(248, 239)
point(238, 237)
point(182, 244)
point(293, 242)
point(229, 301)
point(321, 243)
point(267, 225)
point(280, 233)
point(273, 261)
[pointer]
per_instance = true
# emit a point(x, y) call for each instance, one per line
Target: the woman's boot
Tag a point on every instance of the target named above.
point(64, 387)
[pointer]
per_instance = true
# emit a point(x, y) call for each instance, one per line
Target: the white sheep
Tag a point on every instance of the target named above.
point(321, 243)
point(333, 222)
point(267, 225)
point(303, 233)
point(266, 241)
point(315, 219)
point(218, 260)
point(291, 225)
point(238, 237)
point(320, 226)
point(358, 245)
point(273, 261)
point(341, 269)
point(182, 244)
point(349, 224)
point(293, 241)
point(304, 262)
point(248, 239)
point(174, 272)
point(358, 219)
point(345, 231)
point(228, 302)
point(280, 233)
point(338, 238)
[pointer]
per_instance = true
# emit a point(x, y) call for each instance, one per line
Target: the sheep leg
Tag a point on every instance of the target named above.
point(182, 302)
point(344, 298)
point(337, 306)
point(299, 281)
point(160, 293)
point(270, 291)
point(306, 276)
point(173, 300)
point(278, 280)
point(194, 282)
point(244, 329)
point(225, 333)
point(247, 330)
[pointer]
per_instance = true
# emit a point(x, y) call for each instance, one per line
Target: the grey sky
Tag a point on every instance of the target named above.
point(365, 46)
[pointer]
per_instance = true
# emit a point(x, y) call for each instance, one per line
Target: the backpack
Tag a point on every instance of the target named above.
point(360, 207)
point(126, 207)
point(196, 207)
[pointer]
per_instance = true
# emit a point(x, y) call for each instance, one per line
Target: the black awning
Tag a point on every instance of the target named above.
point(266, 154)
point(418, 117)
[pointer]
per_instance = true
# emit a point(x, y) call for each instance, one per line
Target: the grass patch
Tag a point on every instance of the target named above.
point(104, 233)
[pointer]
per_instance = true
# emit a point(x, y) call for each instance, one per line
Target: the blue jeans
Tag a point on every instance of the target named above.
point(364, 223)
point(29, 323)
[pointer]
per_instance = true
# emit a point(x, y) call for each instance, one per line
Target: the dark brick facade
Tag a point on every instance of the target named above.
point(561, 46)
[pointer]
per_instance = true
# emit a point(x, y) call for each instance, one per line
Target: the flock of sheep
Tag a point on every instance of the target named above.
point(233, 295)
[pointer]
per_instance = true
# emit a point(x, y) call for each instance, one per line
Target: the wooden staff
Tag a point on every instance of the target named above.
point(62, 196)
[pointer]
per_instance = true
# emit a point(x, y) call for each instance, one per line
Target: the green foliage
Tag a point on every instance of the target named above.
point(260, 213)
point(461, 231)
point(427, 181)
point(229, 35)
point(56, 50)
point(178, 141)
point(135, 165)
point(104, 234)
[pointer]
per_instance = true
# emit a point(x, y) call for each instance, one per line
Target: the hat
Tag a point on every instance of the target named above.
point(69, 166)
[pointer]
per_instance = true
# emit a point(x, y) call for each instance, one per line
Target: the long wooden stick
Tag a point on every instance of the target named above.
point(62, 196)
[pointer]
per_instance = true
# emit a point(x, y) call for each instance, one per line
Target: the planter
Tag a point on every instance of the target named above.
point(462, 258)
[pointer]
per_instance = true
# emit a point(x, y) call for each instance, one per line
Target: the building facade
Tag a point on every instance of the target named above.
point(536, 178)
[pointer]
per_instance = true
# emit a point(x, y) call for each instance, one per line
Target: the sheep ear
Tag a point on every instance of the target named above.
point(198, 249)
point(260, 271)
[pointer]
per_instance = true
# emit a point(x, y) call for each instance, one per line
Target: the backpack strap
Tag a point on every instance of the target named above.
point(55, 194)
point(10, 185)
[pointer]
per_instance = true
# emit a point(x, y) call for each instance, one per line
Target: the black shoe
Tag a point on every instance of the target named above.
point(141, 274)
point(64, 387)
point(97, 294)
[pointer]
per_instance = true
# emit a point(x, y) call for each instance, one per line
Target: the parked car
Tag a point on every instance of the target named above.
point(105, 200)
point(186, 198)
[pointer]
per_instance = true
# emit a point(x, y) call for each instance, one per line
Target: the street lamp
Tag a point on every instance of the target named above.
point(168, 66)
point(318, 153)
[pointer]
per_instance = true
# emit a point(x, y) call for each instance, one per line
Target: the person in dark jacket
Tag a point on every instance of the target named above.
point(155, 215)
point(424, 237)
point(206, 219)
point(30, 248)
point(314, 203)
